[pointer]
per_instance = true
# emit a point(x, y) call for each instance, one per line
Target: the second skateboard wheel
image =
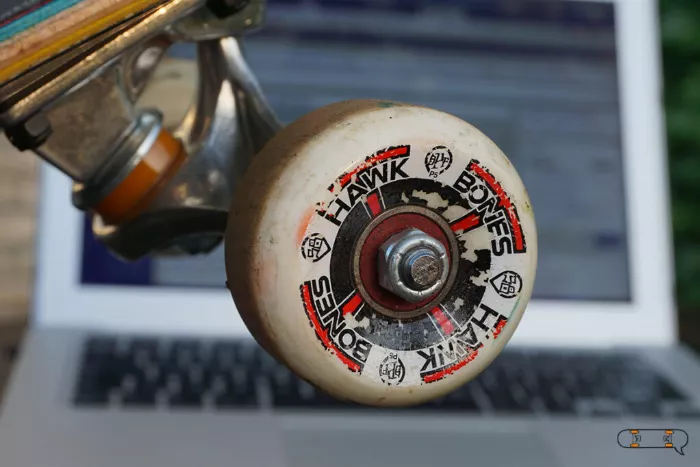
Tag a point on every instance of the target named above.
point(384, 252)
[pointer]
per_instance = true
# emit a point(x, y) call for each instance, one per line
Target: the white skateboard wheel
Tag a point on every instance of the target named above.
point(310, 240)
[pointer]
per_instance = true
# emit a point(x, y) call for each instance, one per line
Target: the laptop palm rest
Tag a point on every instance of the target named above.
point(309, 447)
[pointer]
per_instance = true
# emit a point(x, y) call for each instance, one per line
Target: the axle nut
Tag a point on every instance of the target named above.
point(412, 265)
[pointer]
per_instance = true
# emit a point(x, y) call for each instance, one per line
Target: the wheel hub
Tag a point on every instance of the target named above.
point(404, 262)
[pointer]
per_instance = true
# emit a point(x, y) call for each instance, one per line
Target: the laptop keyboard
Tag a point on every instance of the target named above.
point(219, 375)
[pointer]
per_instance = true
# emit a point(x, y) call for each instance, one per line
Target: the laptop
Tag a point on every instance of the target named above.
point(148, 363)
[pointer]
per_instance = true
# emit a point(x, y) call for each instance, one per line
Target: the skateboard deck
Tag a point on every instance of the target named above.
point(37, 30)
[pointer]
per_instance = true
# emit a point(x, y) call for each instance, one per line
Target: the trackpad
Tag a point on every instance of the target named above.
point(353, 448)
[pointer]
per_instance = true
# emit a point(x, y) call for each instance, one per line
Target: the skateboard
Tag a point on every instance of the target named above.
point(384, 251)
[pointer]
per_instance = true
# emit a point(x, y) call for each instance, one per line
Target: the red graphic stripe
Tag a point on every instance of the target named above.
point(504, 202)
point(374, 205)
point(450, 369)
point(442, 320)
point(467, 223)
point(321, 333)
point(499, 327)
point(377, 158)
point(352, 305)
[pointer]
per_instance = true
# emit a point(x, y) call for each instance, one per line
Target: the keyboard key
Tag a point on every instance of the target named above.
point(101, 345)
point(557, 401)
point(237, 388)
point(511, 399)
point(184, 353)
point(136, 391)
point(151, 346)
point(100, 372)
point(290, 391)
point(184, 392)
point(224, 355)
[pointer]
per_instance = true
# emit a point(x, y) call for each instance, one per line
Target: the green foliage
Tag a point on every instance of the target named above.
point(680, 30)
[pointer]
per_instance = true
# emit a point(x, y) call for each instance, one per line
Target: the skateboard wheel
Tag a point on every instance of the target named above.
point(385, 252)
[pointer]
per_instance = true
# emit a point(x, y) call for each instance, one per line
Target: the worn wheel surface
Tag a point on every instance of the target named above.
point(385, 252)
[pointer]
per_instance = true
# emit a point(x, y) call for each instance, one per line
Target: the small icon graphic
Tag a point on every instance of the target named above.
point(653, 439)
point(392, 370)
point(507, 284)
point(437, 161)
point(315, 247)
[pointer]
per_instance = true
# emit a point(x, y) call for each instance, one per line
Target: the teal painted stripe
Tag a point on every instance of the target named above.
point(35, 17)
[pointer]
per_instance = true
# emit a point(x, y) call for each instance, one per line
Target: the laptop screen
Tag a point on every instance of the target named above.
point(538, 77)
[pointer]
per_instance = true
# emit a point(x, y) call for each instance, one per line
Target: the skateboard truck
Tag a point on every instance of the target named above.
point(151, 189)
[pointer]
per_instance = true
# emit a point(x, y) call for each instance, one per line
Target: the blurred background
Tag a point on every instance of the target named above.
point(680, 22)
point(680, 25)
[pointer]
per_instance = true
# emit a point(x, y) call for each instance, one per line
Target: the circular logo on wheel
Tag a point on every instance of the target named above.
point(438, 161)
point(507, 284)
point(410, 274)
point(315, 247)
point(392, 370)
